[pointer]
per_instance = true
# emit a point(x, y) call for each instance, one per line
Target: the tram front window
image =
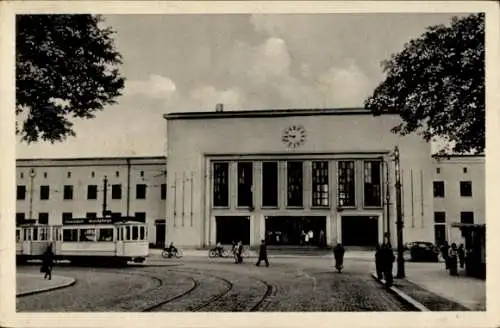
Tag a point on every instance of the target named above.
point(18, 235)
point(35, 234)
point(106, 235)
point(142, 233)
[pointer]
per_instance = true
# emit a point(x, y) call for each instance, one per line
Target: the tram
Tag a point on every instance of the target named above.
point(90, 241)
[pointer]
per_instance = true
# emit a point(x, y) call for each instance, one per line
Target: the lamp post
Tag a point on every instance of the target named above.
point(399, 213)
point(32, 178)
point(105, 198)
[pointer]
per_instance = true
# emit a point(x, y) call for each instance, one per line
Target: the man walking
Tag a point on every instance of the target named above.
point(262, 253)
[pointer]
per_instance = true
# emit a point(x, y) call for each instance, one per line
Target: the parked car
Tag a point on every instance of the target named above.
point(423, 251)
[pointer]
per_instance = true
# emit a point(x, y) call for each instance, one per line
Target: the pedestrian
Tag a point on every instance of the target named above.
point(387, 260)
point(306, 239)
point(302, 237)
point(338, 253)
point(239, 252)
point(461, 255)
point(444, 252)
point(378, 264)
point(322, 238)
point(311, 236)
point(47, 263)
point(263, 253)
point(452, 259)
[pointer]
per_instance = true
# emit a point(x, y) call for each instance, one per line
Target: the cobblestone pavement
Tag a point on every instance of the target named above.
point(201, 284)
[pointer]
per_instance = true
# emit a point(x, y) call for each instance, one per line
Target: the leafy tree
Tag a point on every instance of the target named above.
point(66, 67)
point(436, 84)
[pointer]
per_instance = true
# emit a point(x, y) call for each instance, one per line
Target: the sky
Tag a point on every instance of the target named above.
point(180, 63)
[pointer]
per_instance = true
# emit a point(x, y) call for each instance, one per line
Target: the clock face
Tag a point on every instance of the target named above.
point(294, 136)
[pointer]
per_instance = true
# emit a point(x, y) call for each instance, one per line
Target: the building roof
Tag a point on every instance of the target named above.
point(92, 161)
point(270, 113)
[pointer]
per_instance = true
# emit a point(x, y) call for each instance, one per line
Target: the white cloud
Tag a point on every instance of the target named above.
point(156, 86)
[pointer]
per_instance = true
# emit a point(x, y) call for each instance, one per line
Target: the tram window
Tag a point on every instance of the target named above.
point(18, 235)
point(35, 233)
point(127, 236)
point(70, 235)
point(135, 232)
point(88, 235)
point(43, 234)
point(142, 234)
point(105, 234)
point(25, 234)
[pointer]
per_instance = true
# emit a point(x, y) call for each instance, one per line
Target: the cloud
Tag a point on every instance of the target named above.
point(205, 97)
point(156, 87)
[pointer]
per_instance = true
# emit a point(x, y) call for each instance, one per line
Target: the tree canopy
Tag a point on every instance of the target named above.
point(66, 68)
point(436, 84)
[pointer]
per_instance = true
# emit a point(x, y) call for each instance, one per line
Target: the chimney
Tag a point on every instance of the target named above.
point(219, 107)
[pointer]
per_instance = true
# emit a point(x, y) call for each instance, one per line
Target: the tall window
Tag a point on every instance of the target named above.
point(295, 183)
point(68, 192)
point(163, 191)
point(221, 185)
point(140, 191)
point(92, 192)
point(140, 216)
point(346, 184)
point(439, 227)
point(44, 192)
point(467, 217)
point(320, 194)
point(245, 182)
point(270, 184)
point(466, 188)
point(67, 216)
point(116, 191)
point(43, 218)
point(21, 192)
point(20, 217)
point(438, 189)
point(373, 183)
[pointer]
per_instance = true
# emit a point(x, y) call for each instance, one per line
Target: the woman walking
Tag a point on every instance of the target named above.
point(47, 263)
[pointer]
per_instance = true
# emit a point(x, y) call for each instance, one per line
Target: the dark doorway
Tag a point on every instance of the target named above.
point(160, 232)
point(291, 230)
point(359, 230)
point(232, 228)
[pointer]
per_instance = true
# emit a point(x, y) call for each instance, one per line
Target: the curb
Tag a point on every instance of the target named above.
point(402, 296)
point(47, 289)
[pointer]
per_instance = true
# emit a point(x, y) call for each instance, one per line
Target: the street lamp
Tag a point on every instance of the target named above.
point(399, 214)
point(32, 178)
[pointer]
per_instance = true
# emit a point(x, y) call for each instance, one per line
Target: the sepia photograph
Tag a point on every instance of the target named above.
point(173, 160)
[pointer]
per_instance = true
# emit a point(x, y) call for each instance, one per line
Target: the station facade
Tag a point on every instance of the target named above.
point(280, 174)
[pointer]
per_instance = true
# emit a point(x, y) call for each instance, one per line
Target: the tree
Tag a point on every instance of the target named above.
point(66, 67)
point(436, 85)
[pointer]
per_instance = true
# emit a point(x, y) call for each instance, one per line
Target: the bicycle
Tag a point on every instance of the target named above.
point(177, 253)
point(215, 253)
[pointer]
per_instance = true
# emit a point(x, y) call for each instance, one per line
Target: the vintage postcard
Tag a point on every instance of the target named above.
point(186, 163)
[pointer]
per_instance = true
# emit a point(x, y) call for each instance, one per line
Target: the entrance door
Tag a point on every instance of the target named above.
point(160, 232)
point(291, 230)
point(359, 230)
point(232, 228)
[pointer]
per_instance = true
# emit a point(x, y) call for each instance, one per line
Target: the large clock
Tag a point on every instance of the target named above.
point(294, 136)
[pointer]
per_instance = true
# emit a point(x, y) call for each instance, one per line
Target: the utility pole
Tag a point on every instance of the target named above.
point(388, 200)
point(399, 222)
point(32, 189)
point(128, 187)
point(105, 198)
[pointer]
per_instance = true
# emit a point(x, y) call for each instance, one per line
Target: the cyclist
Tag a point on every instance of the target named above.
point(171, 249)
point(219, 249)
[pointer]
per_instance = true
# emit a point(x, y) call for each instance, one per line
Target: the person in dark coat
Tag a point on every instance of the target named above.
point(47, 262)
point(461, 255)
point(452, 259)
point(444, 251)
point(338, 253)
point(239, 252)
point(378, 262)
point(262, 253)
point(387, 260)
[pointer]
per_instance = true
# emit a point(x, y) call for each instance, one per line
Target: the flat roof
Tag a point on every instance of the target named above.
point(111, 158)
point(271, 113)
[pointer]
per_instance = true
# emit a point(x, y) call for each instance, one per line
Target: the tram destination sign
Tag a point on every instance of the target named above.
point(88, 221)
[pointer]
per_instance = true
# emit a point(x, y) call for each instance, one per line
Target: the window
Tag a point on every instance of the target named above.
point(221, 185)
point(320, 194)
point(140, 191)
point(106, 234)
point(135, 232)
point(142, 233)
point(68, 192)
point(45, 175)
point(43, 218)
point(91, 215)
point(88, 234)
point(163, 191)
point(245, 181)
point(142, 173)
point(67, 216)
point(117, 174)
point(439, 234)
point(22, 175)
point(92, 192)
point(439, 217)
point(115, 216)
point(44, 192)
point(466, 188)
point(295, 183)
point(467, 217)
point(116, 191)
point(438, 170)
point(92, 174)
point(21, 192)
point(346, 184)
point(270, 184)
point(373, 183)
point(140, 216)
point(465, 170)
point(69, 175)
point(18, 235)
point(20, 218)
point(438, 189)
point(70, 235)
